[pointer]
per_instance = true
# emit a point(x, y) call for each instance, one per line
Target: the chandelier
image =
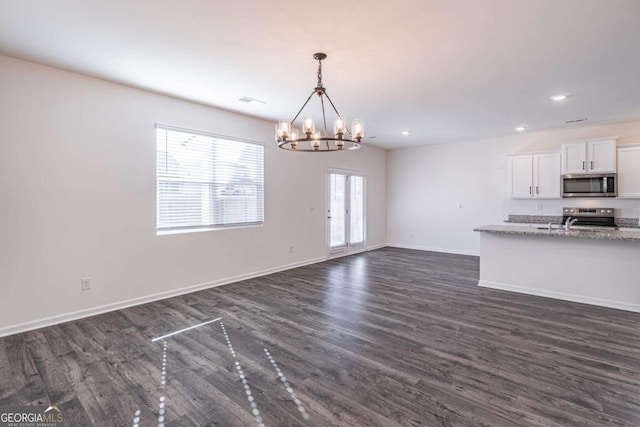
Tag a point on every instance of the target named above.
point(308, 137)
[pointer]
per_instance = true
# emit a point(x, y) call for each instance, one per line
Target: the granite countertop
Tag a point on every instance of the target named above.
point(573, 233)
point(546, 219)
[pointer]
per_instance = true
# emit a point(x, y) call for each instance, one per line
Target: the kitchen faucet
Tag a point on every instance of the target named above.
point(569, 222)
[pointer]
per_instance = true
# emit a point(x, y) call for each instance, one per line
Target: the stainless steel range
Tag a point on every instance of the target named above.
point(591, 218)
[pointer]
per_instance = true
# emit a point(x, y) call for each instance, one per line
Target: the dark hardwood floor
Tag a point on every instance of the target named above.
point(386, 338)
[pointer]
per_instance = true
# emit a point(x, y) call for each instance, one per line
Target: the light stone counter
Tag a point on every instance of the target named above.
point(546, 219)
point(573, 233)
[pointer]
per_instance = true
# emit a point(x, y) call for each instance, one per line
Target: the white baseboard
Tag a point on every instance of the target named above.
point(347, 253)
point(560, 295)
point(54, 320)
point(432, 249)
point(374, 247)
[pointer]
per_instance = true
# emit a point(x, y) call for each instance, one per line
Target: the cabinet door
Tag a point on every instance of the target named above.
point(602, 156)
point(574, 158)
point(546, 176)
point(629, 172)
point(521, 173)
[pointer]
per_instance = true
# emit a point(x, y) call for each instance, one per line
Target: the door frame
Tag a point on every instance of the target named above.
point(349, 248)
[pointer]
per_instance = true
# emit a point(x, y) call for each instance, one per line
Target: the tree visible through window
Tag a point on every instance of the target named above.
point(207, 181)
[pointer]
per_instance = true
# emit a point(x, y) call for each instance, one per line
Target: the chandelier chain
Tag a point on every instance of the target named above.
point(319, 73)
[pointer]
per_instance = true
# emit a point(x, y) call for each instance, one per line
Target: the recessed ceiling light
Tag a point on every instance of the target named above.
point(406, 132)
point(521, 128)
point(559, 97)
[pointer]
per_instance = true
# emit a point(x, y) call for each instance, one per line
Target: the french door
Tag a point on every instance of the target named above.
point(345, 212)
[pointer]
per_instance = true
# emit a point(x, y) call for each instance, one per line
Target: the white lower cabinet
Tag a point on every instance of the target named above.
point(536, 176)
point(629, 172)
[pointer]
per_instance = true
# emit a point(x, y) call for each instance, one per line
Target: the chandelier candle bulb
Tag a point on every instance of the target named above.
point(293, 137)
point(284, 129)
point(358, 129)
point(338, 127)
point(308, 127)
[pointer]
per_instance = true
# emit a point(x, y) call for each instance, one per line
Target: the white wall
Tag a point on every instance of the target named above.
point(77, 184)
point(426, 185)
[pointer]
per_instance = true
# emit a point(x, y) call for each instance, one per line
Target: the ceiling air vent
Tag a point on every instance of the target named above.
point(569, 122)
point(250, 100)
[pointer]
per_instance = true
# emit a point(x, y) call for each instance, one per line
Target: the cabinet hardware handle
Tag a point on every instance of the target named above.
point(591, 164)
point(531, 190)
point(584, 166)
point(537, 190)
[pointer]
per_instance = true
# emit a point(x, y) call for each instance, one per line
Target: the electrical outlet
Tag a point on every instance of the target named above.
point(85, 283)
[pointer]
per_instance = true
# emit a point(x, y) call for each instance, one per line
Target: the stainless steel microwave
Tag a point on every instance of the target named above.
point(590, 185)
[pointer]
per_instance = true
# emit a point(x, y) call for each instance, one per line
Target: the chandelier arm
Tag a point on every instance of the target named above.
point(331, 102)
point(324, 117)
point(337, 113)
point(303, 105)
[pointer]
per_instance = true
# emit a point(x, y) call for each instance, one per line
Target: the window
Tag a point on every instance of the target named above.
point(204, 180)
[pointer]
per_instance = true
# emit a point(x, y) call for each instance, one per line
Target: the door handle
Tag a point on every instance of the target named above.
point(584, 166)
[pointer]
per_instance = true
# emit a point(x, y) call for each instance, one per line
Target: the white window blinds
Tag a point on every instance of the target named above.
point(205, 180)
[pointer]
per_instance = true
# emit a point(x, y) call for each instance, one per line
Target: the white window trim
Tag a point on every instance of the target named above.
point(195, 229)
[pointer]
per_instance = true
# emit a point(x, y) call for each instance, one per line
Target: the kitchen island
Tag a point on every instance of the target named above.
point(592, 267)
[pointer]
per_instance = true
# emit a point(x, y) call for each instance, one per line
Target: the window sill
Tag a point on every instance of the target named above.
point(173, 231)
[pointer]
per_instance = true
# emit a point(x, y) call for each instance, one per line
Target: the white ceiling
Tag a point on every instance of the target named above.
point(448, 70)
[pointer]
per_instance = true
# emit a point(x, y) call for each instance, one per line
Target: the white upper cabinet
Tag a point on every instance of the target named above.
point(574, 158)
point(546, 176)
point(602, 155)
point(629, 172)
point(521, 173)
point(535, 176)
point(595, 156)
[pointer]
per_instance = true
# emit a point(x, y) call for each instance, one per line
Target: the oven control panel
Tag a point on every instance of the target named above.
point(589, 211)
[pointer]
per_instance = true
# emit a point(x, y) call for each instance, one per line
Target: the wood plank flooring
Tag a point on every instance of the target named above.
point(390, 337)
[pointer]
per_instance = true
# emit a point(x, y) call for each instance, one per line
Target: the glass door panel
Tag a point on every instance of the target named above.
point(356, 211)
point(337, 211)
